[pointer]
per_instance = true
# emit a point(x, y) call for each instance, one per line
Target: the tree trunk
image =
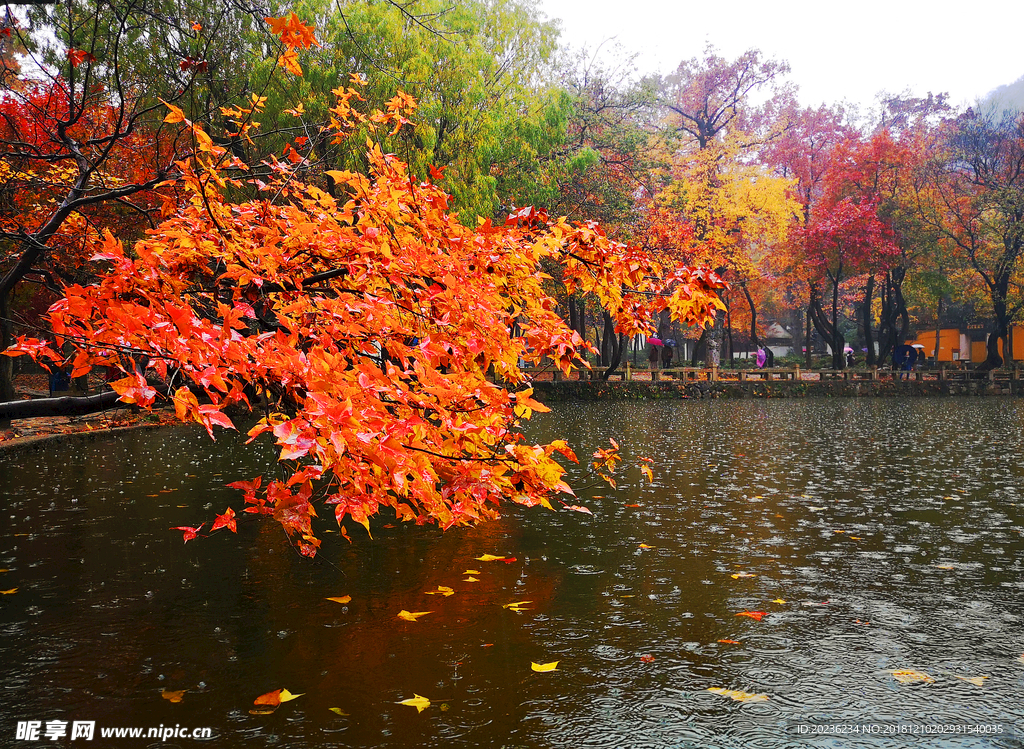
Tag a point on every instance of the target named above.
point(869, 293)
point(938, 328)
point(807, 340)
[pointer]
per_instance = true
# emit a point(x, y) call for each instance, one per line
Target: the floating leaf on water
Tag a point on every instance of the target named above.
point(337, 710)
point(815, 509)
point(270, 699)
point(442, 590)
point(647, 658)
point(411, 616)
point(944, 566)
point(262, 710)
point(738, 695)
point(420, 703)
point(471, 579)
point(778, 600)
point(8, 592)
point(544, 667)
point(579, 508)
point(645, 546)
point(756, 615)
point(738, 575)
point(910, 676)
point(632, 505)
point(340, 599)
point(471, 572)
point(731, 642)
point(489, 558)
point(173, 696)
point(978, 681)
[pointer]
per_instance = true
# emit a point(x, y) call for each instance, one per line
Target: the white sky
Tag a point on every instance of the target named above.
point(838, 51)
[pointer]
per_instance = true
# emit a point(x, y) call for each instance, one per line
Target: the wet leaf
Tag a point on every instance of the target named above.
point(910, 676)
point(579, 508)
point(340, 599)
point(778, 600)
point(489, 558)
point(410, 616)
point(738, 575)
point(756, 615)
point(645, 546)
point(8, 592)
point(471, 579)
point(516, 605)
point(632, 505)
point(509, 560)
point(262, 710)
point(647, 659)
point(420, 703)
point(978, 681)
point(738, 695)
point(337, 710)
point(275, 698)
point(544, 667)
point(442, 590)
point(731, 642)
point(173, 696)
point(471, 572)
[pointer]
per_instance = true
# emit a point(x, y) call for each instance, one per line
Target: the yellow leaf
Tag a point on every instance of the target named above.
point(978, 681)
point(909, 676)
point(738, 695)
point(420, 703)
point(337, 710)
point(779, 600)
point(471, 572)
point(173, 696)
point(544, 667)
point(410, 616)
point(489, 558)
point(645, 546)
point(340, 599)
point(742, 574)
point(287, 696)
point(175, 115)
point(8, 592)
point(442, 590)
point(471, 579)
point(514, 604)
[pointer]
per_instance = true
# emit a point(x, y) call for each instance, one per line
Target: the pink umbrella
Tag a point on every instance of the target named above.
point(655, 342)
point(847, 350)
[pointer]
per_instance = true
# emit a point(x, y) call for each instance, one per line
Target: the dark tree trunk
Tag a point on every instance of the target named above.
point(6, 362)
point(869, 342)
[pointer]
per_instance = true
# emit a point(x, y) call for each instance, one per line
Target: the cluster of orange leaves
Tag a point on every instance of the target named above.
point(384, 338)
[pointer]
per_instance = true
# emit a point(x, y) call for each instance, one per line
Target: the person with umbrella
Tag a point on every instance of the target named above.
point(653, 354)
point(666, 353)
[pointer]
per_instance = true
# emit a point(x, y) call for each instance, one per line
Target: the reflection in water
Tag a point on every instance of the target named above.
point(875, 536)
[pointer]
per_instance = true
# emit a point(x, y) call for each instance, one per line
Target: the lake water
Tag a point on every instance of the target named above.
point(877, 536)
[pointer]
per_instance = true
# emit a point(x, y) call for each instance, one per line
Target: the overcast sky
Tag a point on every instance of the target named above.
point(837, 51)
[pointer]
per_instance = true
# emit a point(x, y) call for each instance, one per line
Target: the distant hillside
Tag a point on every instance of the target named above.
point(1010, 96)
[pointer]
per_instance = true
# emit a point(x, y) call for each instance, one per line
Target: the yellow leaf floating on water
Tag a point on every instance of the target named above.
point(173, 696)
point(471, 572)
point(978, 681)
point(645, 546)
point(471, 579)
point(489, 558)
point(8, 592)
point(910, 676)
point(275, 698)
point(441, 591)
point(287, 696)
point(738, 695)
point(778, 600)
point(544, 667)
point(420, 703)
point(738, 575)
point(411, 616)
point(340, 599)
point(337, 710)
point(516, 605)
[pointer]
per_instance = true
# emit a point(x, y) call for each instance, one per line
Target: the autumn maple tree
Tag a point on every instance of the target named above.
point(378, 337)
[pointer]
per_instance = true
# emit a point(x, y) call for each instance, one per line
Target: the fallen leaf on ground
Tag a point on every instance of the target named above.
point(173, 696)
point(420, 703)
point(757, 615)
point(488, 558)
point(978, 681)
point(738, 695)
point(442, 590)
point(544, 667)
point(909, 676)
point(340, 599)
point(410, 616)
